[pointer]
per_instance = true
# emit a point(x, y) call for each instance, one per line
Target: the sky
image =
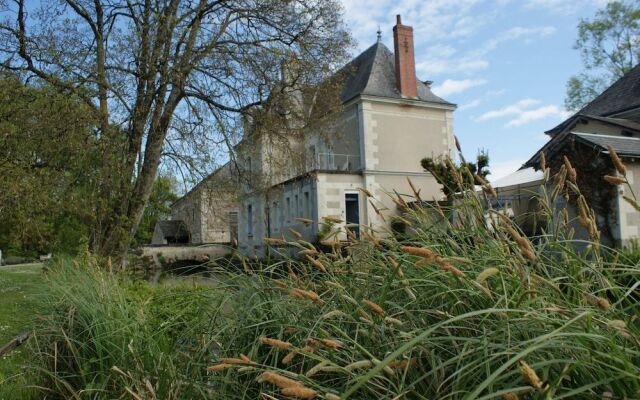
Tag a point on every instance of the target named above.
point(505, 63)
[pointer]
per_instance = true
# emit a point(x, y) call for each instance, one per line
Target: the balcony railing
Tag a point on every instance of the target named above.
point(335, 162)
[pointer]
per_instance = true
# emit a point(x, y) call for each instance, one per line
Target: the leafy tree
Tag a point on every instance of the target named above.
point(47, 169)
point(610, 46)
point(456, 178)
point(168, 80)
point(158, 208)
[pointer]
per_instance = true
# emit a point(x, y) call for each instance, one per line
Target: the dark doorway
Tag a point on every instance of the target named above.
point(352, 208)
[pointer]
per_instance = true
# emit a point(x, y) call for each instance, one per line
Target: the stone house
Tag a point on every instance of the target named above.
point(389, 121)
point(208, 212)
point(611, 119)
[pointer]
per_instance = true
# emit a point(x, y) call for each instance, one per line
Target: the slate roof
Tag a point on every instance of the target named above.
point(559, 136)
point(373, 73)
point(622, 95)
point(624, 146)
point(173, 228)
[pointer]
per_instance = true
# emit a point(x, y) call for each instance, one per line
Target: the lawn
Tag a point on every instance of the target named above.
point(20, 286)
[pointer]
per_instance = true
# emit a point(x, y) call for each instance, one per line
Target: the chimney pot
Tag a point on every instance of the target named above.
point(405, 59)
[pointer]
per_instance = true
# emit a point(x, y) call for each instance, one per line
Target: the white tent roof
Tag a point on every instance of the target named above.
point(522, 176)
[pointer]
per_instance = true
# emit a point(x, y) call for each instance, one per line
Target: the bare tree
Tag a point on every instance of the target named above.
point(167, 79)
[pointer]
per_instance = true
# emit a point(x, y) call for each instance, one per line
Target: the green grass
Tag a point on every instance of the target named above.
point(21, 287)
point(462, 311)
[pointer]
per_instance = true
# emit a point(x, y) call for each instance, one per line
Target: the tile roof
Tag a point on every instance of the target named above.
point(624, 146)
point(373, 73)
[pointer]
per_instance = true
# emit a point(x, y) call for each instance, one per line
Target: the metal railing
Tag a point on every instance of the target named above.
point(335, 162)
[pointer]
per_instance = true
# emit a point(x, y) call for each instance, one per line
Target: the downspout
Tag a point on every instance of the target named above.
point(618, 194)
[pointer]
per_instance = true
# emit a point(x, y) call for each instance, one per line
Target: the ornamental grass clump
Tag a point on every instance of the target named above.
point(462, 308)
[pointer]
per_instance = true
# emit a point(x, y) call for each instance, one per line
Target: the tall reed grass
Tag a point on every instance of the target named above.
point(458, 309)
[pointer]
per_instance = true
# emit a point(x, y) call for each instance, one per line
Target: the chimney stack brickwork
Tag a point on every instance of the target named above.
point(405, 59)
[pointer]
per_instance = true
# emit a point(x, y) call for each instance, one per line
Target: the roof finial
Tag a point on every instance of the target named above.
point(379, 33)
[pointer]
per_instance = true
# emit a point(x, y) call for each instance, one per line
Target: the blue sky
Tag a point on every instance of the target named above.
point(505, 64)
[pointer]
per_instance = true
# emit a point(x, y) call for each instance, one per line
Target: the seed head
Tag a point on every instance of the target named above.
point(416, 193)
point(447, 266)
point(305, 294)
point(305, 221)
point(335, 220)
point(530, 376)
point(218, 367)
point(482, 276)
point(615, 180)
point(295, 233)
point(278, 380)
point(243, 360)
point(374, 307)
point(617, 162)
point(299, 392)
point(316, 263)
point(366, 192)
point(275, 241)
point(279, 344)
point(332, 344)
point(571, 172)
point(418, 251)
point(364, 364)
point(596, 301)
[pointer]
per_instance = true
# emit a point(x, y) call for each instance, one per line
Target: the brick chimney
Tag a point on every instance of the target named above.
point(405, 59)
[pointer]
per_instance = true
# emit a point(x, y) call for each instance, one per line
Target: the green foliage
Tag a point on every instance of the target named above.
point(47, 169)
point(457, 322)
point(609, 47)
point(108, 336)
point(163, 195)
point(456, 179)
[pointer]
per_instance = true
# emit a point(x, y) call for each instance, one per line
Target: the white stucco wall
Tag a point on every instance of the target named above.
point(629, 217)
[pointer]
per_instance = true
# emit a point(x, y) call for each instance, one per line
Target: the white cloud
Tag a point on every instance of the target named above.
point(431, 66)
point(523, 112)
point(444, 21)
point(515, 33)
point(439, 59)
point(513, 109)
point(472, 104)
point(452, 86)
point(539, 113)
point(564, 7)
point(498, 92)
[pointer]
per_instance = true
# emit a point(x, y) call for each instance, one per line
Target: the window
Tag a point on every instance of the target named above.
point(288, 209)
point(249, 220)
point(297, 205)
point(307, 205)
point(274, 216)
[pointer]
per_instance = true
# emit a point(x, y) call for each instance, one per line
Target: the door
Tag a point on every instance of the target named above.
point(352, 211)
